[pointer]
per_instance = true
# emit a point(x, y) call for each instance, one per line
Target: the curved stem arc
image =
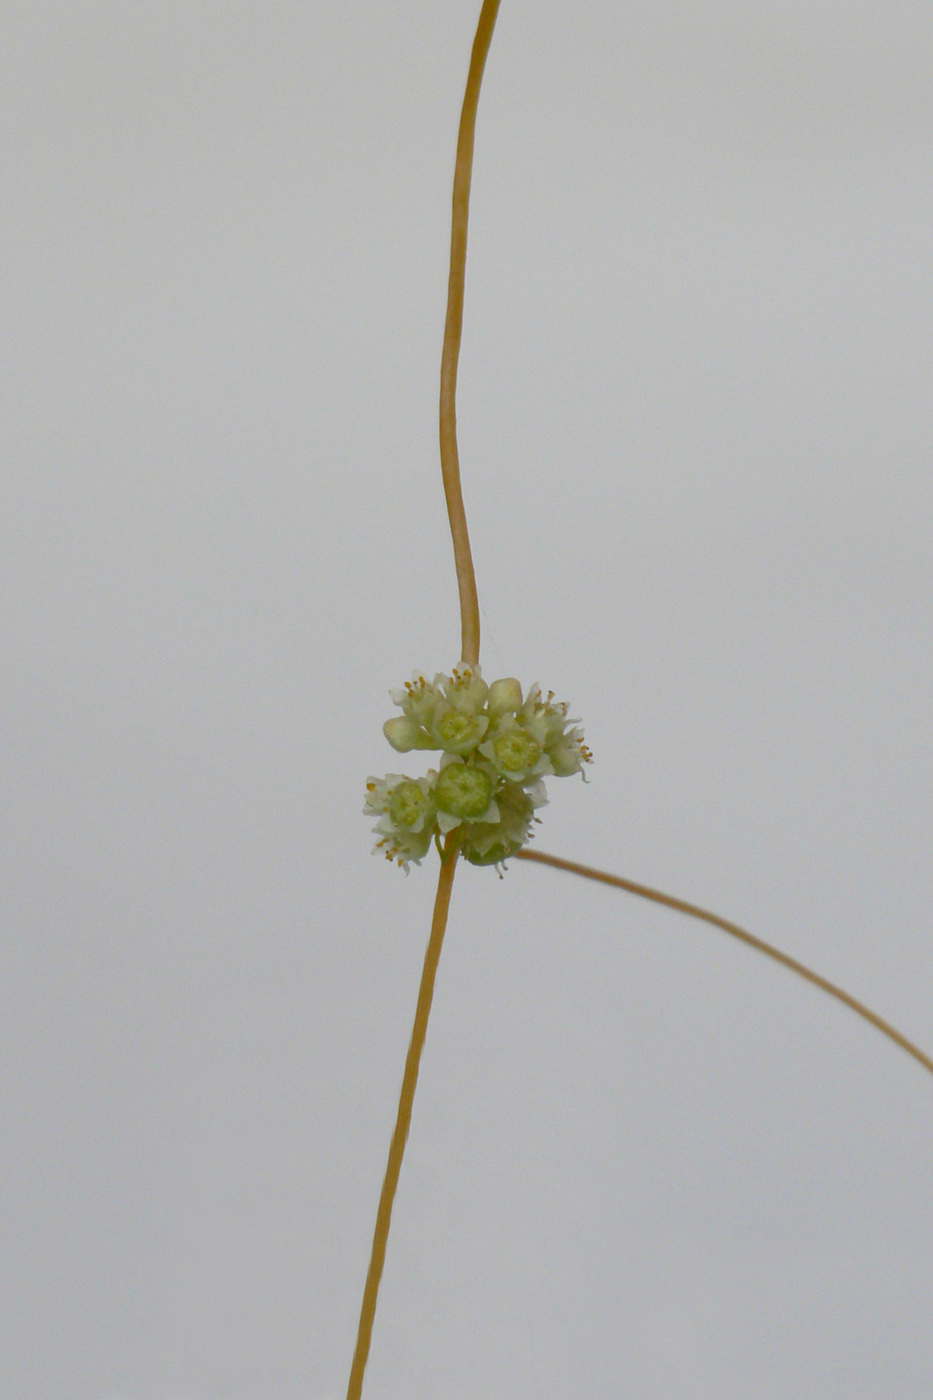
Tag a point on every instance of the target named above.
point(695, 912)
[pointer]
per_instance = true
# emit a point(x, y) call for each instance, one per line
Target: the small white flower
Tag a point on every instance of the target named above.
point(568, 753)
point(403, 847)
point(405, 807)
point(457, 730)
point(516, 748)
point(417, 698)
point(564, 746)
point(465, 687)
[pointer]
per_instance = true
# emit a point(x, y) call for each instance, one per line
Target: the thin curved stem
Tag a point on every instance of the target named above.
point(695, 912)
point(453, 328)
point(403, 1121)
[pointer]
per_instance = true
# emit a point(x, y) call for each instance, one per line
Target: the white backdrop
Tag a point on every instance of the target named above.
point(695, 420)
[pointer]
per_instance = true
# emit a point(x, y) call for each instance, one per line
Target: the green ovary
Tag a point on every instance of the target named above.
point(407, 803)
point(516, 752)
point(462, 791)
point(495, 855)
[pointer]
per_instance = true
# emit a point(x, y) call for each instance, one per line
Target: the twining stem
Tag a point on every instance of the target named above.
point(469, 652)
point(453, 328)
point(681, 905)
point(402, 1123)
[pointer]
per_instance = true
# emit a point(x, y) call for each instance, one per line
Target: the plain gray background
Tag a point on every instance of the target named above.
point(696, 419)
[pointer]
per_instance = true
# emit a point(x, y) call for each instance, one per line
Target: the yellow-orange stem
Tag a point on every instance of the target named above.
point(453, 328)
point(402, 1123)
point(695, 912)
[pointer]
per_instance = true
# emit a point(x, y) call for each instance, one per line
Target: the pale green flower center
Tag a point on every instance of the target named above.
point(407, 803)
point(458, 731)
point(516, 751)
point(463, 791)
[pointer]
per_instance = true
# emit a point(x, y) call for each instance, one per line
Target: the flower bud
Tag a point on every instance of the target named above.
point(404, 734)
point(505, 696)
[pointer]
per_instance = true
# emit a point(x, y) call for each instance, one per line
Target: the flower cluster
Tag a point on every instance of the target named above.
point(497, 745)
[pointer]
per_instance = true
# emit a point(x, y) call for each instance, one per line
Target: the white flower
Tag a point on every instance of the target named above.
point(465, 687)
point(516, 748)
point(456, 729)
point(568, 753)
point(405, 808)
point(417, 698)
point(564, 746)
